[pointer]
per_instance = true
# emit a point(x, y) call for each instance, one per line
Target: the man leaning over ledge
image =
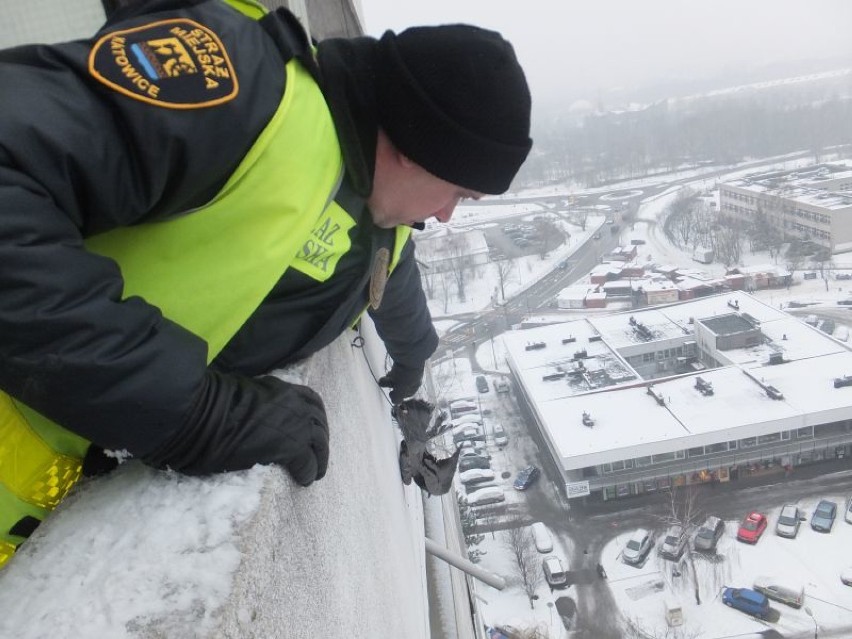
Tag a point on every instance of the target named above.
point(196, 196)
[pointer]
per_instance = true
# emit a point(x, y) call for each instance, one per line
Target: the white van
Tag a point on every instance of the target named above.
point(786, 591)
point(541, 535)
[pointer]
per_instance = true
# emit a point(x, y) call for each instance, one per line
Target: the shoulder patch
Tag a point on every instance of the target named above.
point(177, 64)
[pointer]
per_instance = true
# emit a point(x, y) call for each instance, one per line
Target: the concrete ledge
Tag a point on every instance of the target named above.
point(148, 554)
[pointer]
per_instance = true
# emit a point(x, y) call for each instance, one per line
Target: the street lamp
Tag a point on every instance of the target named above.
point(816, 628)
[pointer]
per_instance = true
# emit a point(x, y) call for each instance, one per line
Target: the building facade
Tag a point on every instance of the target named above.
point(813, 204)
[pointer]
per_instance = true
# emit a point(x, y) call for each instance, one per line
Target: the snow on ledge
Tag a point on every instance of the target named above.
point(143, 553)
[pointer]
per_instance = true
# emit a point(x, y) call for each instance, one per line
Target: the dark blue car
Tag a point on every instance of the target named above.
point(747, 600)
point(823, 518)
point(526, 478)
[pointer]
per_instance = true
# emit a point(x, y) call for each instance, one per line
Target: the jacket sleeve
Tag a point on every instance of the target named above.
point(403, 320)
point(77, 158)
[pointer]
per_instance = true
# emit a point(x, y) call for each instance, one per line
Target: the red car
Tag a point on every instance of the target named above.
point(752, 528)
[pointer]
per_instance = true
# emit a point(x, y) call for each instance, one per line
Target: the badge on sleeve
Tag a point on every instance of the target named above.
point(178, 64)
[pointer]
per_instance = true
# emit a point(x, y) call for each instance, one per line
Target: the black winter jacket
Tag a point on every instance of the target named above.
point(77, 158)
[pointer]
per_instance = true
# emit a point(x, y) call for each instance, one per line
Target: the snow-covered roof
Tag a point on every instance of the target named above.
point(626, 416)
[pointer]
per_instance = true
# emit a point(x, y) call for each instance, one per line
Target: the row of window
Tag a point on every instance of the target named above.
point(668, 353)
point(788, 211)
point(807, 230)
point(700, 451)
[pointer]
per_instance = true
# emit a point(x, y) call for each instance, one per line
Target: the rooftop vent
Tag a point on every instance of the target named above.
point(534, 346)
point(704, 387)
point(587, 420)
point(659, 398)
point(776, 358)
point(552, 377)
point(583, 354)
point(641, 330)
point(840, 382)
point(734, 304)
point(568, 340)
point(594, 338)
point(773, 392)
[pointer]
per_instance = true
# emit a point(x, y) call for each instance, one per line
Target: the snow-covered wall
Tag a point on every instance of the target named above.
point(146, 554)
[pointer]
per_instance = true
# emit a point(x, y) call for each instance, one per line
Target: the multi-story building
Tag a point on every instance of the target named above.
point(704, 390)
point(812, 204)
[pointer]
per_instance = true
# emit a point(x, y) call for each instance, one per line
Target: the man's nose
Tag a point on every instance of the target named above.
point(446, 213)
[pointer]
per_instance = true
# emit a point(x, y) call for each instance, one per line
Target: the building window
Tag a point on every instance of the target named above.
point(643, 461)
point(748, 442)
point(721, 447)
point(698, 451)
point(805, 433)
point(770, 438)
point(732, 445)
point(663, 457)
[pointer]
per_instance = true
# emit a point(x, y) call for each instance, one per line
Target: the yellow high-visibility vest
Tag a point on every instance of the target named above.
point(207, 271)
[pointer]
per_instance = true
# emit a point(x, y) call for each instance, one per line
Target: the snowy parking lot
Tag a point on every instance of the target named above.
point(812, 560)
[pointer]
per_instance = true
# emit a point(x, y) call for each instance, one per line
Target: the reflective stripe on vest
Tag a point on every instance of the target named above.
point(207, 271)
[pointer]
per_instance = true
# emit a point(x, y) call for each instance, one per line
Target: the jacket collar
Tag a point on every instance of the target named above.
point(347, 70)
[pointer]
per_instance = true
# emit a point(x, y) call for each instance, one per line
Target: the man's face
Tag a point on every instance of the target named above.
point(406, 193)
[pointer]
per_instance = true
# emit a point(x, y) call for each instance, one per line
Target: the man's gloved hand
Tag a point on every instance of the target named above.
point(237, 422)
point(403, 381)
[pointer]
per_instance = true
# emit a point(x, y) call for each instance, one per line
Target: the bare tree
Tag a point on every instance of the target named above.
point(518, 539)
point(550, 235)
point(459, 261)
point(468, 524)
point(504, 268)
point(683, 508)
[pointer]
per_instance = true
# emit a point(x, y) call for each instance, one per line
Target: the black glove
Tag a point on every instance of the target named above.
point(403, 381)
point(237, 422)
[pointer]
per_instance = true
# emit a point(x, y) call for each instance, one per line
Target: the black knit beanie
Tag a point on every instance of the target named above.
point(454, 99)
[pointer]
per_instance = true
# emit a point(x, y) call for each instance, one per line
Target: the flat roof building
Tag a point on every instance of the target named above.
point(814, 203)
point(697, 391)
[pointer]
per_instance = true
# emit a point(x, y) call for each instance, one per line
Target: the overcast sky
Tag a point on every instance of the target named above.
point(577, 48)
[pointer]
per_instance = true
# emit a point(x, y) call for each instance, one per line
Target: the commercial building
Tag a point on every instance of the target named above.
point(812, 204)
point(705, 390)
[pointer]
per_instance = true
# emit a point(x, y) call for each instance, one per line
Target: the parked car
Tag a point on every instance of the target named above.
point(848, 514)
point(468, 433)
point(846, 576)
point(554, 573)
point(473, 461)
point(526, 477)
point(746, 600)
point(567, 611)
point(500, 436)
point(486, 496)
point(501, 385)
point(752, 528)
point(541, 536)
point(788, 521)
point(467, 418)
point(674, 543)
point(785, 591)
point(637, 547)
point(473, 447)
point(823, 518)
point(708, 534)
point(481, 384)
point(476, 475)
point(462, 406)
